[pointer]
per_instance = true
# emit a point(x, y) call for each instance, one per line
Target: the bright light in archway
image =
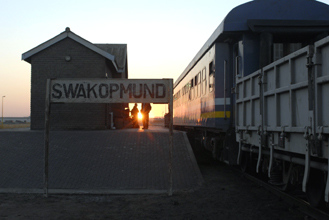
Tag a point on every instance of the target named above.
point(140, 116)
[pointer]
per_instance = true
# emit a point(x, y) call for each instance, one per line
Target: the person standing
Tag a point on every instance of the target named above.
point(134, 113)
point(146, 108)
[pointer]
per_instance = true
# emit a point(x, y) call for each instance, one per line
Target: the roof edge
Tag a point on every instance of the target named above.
point(90, 46)
point(73, 36)
point(44, 45)
point(209, 43)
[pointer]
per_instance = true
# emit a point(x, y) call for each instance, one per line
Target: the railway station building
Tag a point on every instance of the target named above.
point(68, 55)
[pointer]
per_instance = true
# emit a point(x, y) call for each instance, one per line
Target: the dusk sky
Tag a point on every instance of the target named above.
point(162, 36)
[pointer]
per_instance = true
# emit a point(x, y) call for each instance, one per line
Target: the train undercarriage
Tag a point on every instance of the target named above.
point(285, 170)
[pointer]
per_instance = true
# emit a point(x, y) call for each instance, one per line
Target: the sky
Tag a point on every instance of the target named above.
point(162, 36)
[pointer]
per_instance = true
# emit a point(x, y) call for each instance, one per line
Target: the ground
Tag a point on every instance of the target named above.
point(225, 194)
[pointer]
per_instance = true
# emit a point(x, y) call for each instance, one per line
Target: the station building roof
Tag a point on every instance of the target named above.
point(116, 53)
point(119, 51)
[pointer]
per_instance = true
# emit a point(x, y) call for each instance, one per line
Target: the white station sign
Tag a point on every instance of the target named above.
point(107, 91)
point(110, 90)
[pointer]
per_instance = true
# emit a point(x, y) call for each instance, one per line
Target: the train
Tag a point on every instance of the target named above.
point(255, 95)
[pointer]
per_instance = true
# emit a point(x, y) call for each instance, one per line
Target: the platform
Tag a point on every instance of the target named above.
point(123, 161)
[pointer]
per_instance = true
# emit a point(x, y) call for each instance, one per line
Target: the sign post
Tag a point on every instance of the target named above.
point(170, 138)
point(157, 91)
point(47, 114)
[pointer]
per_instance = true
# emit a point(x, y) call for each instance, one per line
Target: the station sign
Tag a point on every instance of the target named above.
point(157, 91)
point(110, 90)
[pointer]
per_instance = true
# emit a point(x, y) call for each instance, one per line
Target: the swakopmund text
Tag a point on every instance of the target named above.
point(85, 91)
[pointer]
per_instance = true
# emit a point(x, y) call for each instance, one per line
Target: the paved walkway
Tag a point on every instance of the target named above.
point(108, 161)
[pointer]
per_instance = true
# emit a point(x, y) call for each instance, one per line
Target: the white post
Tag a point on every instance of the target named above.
point(170, 135)
point(47, 114)
point(112, 123)
point(2, 112)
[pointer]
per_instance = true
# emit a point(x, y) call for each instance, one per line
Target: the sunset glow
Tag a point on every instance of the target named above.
point(173, 23)
point(140, 116)
point(158, 110)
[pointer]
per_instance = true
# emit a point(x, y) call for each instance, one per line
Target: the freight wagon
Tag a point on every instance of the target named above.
point(256, 93)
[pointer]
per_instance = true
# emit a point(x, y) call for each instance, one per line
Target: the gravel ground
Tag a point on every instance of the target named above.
point(225, 194)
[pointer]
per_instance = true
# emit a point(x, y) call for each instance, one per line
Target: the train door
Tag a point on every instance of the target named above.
point(223, 110)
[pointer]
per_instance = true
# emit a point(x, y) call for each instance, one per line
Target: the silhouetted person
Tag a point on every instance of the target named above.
point(134, 112)
point(146, 108)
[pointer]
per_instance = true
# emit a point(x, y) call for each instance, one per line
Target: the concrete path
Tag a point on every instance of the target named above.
point(98, 162)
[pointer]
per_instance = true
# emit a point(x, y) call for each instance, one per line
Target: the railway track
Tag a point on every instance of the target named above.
point(300, 204)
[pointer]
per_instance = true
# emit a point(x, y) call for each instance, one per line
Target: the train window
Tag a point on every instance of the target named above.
point(283, 49)
point(198, 78)
point(204, 81)
point(192, 89)
point(294, 47)
point(211, 77)
point(187, 91)
point(277, 51)
point(237, 61)
point(238, 70)
point(211, 68)
point(196, 86)
point(211, 82)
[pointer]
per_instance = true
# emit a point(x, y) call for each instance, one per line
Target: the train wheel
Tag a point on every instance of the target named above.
point(315, 188)
point(244, 161)
point(287, 176)
point(263, 174)
point(247, 164)
point(217, 147)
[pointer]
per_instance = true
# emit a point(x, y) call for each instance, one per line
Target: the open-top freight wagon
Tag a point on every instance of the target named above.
point(257, 93)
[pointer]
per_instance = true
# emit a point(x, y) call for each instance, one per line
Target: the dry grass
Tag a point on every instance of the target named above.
point(8, 126)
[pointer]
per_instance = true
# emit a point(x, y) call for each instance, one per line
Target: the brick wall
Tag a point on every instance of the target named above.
point(51, 63)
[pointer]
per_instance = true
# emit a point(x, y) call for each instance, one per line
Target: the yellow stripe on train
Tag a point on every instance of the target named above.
point(217, 114)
